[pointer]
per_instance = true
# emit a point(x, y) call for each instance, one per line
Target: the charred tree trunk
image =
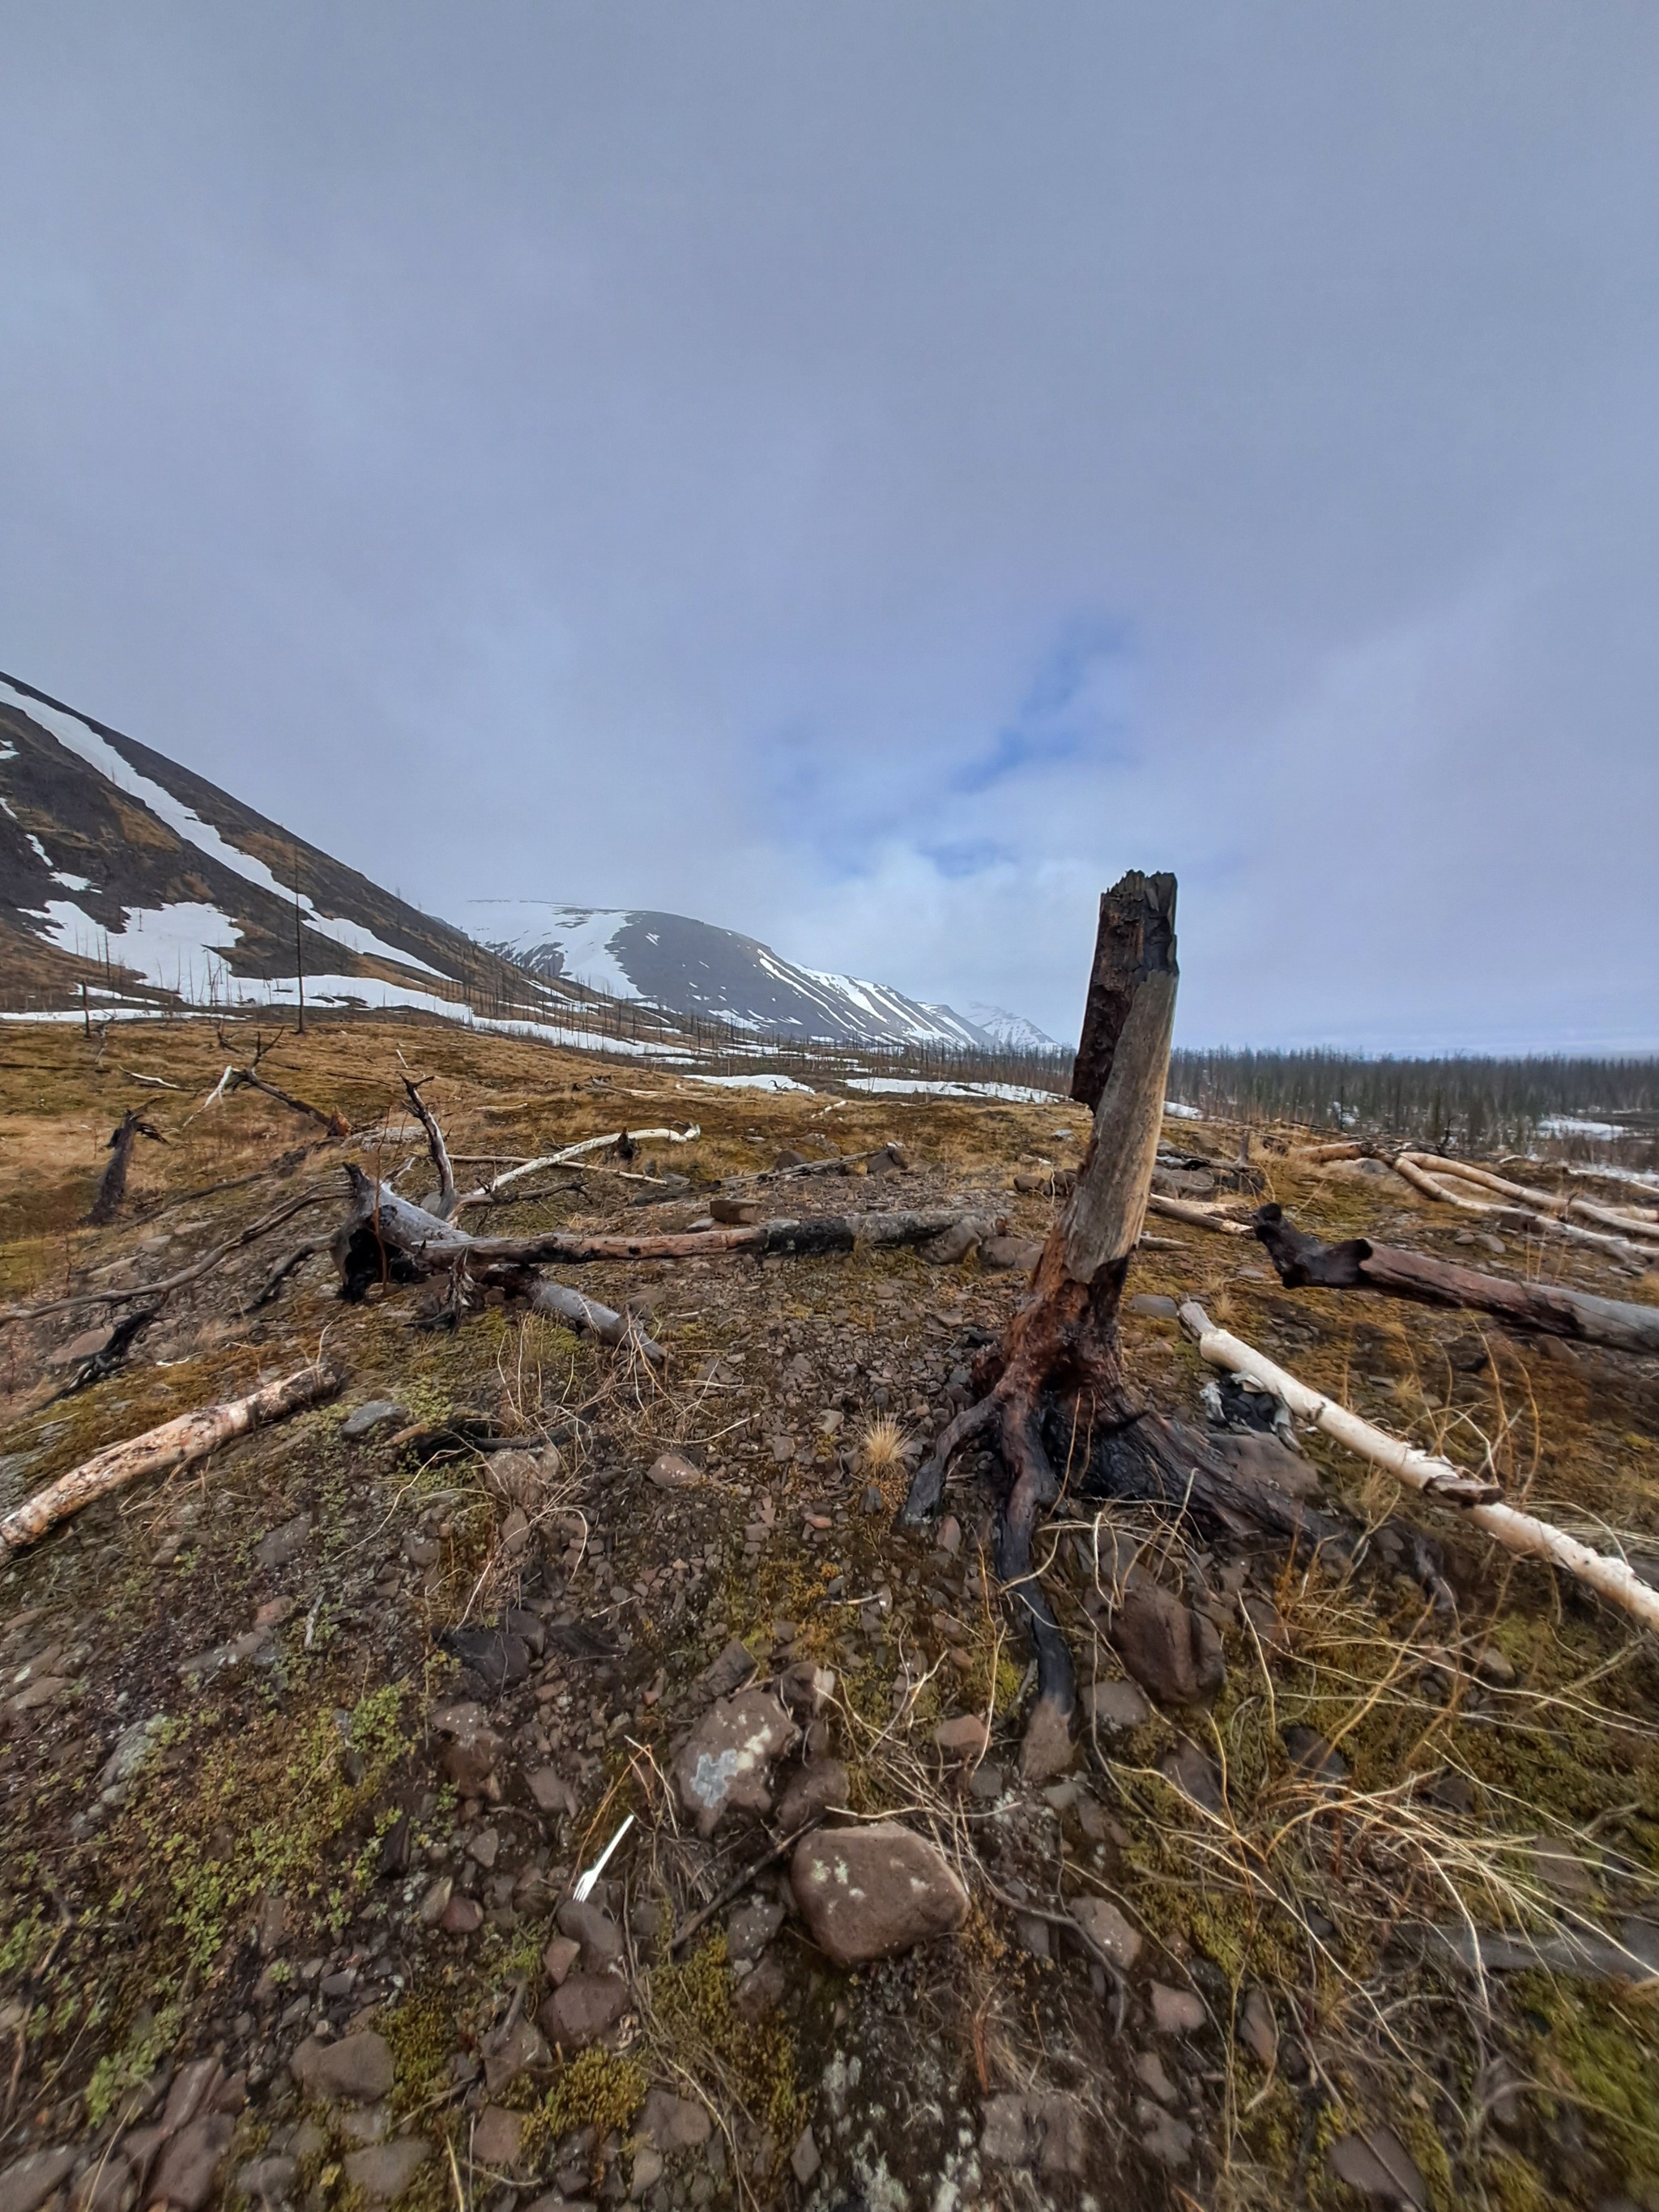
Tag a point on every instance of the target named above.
point(1542, 1308)
point(114, 1187)
point(1056, 1410)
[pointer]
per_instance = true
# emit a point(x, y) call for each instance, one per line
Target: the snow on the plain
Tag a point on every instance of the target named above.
point(75, 736)
point(1569, 1125)
point(1176, 1112)
point(1016, 1094)
point(752, 1082)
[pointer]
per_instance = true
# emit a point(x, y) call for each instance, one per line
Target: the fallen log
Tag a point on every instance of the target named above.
point(1521, 1219)
point(246, 1078)
point(486, 1192)
point(162, 1451)
point(114, 1187)
point(1522, 1534)
point(1543, 1201)
point(1302, 1262)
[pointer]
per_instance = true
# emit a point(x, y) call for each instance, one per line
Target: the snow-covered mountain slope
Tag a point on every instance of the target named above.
point(693, 969)
point(121, 870)
point(1012, 1030)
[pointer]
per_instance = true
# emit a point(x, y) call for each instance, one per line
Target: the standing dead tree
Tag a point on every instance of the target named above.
point(114, 1187)
point(1054, 1409)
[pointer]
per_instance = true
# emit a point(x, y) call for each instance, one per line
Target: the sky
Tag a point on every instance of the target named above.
point(865, 475)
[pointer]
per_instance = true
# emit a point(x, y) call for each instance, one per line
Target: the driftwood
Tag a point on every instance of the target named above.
point(1055, 1400)
point(114, 1187)
point(1521, 1533)
point(1303, 1262)
point(162, 1451)
point(1525, 1220)
point(1543, 1201)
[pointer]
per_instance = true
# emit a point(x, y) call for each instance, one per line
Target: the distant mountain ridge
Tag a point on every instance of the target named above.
point(693, 969)
point(126, 874)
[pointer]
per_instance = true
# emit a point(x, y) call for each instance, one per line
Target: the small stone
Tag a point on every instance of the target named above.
point(1263, 1460)
point(592, 1927)
point(1047, 1748)
point(1377, 2164)
point(729, 1671)
point(190, 2089)
point(751, 1929)
point(803, 2160)
point(1315, 1754)
point(269, 2179)
point(559, 1956)
point(359, 2068)
point(421, 1551)
point(949, 1539)
point(471, 1748)
point(1153, 1305)
point(588, 2007)
point(1120, 1704)
point(673, 2123)
point(985, 1783)
point(1177, 2011)
point(1020, 1252)
point(763, 1990)
point(1492, 1666)
point(386, 2171)
point(1044, 2132)
point(462, 1916)
point(1171, 1651)
point(189, 2165)
point(508, 2053)
point(673, 1471)
point(647, 2171)
point(377, 1413)
point(1196, 1774)
point(29, 2181)
point(966, 1738)
point(552, 1792)
point(435, 1902)
point(873, 1893)
point(283, 1545)
point(1165, 2138)
point(821, 1784)
point(368, 2124)
point(1258, 2030)
point(806, 1689)
point(1031, 1935)
point(1150, 2073)
point(483, 1847)
point(1109, 1930)
point(497, 2136)
point(726, 1762)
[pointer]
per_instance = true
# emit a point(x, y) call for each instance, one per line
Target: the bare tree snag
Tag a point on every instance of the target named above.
point(442, 1201)
point(1055, 1404)
point(161, 1451)
point(1302, 1262)
point(1521, 1533)
point(114, 1187)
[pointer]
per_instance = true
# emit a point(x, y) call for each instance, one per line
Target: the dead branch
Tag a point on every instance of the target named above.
point(582, 1312)
point(442, 1202)
point(246, 1078)
point(112, 1189)
point(167, 1284)
point(1542, 1201)
point(160, 1451)
point(1521, 1219)
point(486, 1192)
point(1521, 1533)
point(1303, 1262)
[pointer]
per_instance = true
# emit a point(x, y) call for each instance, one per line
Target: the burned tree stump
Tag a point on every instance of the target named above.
point(1057, 1408)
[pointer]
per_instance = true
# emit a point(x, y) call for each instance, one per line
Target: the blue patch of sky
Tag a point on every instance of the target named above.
point(1063, 716)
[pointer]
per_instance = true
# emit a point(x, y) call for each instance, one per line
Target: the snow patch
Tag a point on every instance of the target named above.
point(752, 1082)
point(1018, 1094)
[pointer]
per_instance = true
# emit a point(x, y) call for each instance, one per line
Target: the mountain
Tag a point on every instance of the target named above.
point(1013, 1031)
point(126, 875)
point(694, 969)
point(121, 870)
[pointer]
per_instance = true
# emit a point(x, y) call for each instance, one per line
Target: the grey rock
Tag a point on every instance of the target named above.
point(763, 1990)
point(1165, 2138)
point(283, 1545)
point(1154, 1305)
point(189, 2166)
point(821, 1784)
point(1017, 1252)
point(1153, 2077)
point(269, 2179)
point(359, 2069)
point(1196, 1774)
point(1172, 1651)
point(30, 2180)
point(552, 1792)
point(1177, 2011)
point(591, 1926)
point(733, 1667)
point(873, 1893)
point(377, 1413)
point(1257, 2029)
point(1046, 2132)
point(588, 2007)
point(803, 2160)
point(507, 2053)
point(726, 1762)
point(1377, 2164)
point(673, 2123)
point(497, 2136)
point(1258, 1458)
point(386, 2170)
point(189, 2090)
point(1120, 1704)
point(1315, 1754)
point(751, 1929)
point(1107, 1927)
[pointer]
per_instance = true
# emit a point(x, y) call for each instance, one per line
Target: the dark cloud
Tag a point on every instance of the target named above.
point(866, 475)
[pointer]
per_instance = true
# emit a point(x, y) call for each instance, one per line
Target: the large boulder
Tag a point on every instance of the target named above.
point(873, 1893)
point(727, 1761)
point(1171, 1650)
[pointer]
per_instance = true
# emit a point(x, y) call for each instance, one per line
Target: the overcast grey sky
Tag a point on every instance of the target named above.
point(867, 474)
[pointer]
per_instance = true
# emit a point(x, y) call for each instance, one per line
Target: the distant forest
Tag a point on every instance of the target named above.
point(1466, 1103)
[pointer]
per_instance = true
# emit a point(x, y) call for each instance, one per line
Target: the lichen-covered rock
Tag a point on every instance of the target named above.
point(873, 1893)
point(726, 1762)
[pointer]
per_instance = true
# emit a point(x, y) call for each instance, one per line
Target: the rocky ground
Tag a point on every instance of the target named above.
point(1348, 1895)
